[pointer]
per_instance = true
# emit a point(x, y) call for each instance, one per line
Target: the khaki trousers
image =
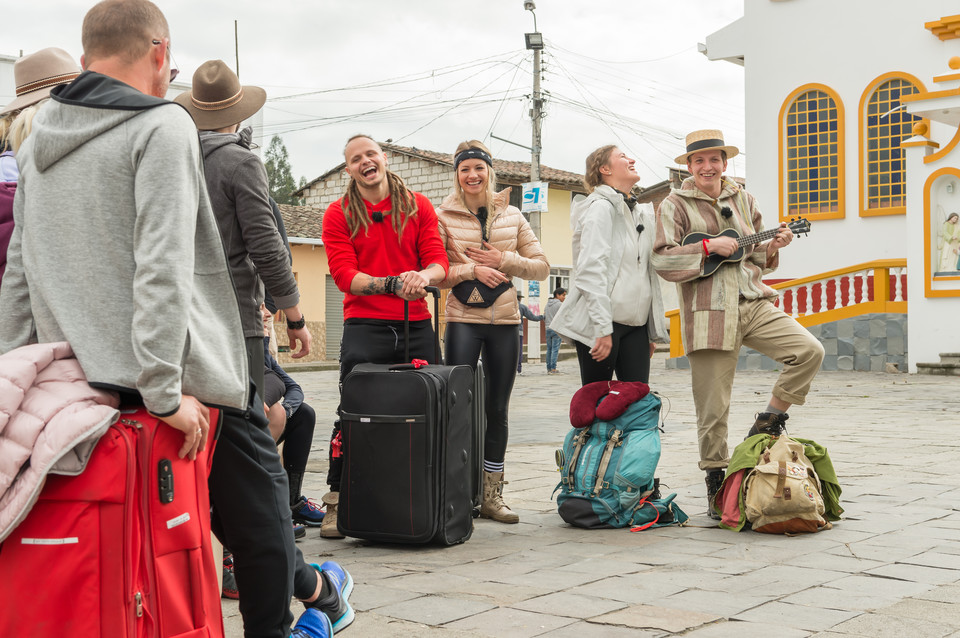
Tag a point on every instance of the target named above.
point(768, 330)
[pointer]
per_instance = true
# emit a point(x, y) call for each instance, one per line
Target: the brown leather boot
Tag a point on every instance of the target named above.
point(714, 480)
point(328, 528)
point(769, 423)
point(493, 506)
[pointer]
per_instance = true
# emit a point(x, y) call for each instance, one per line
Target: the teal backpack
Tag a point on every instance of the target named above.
point(607, 472)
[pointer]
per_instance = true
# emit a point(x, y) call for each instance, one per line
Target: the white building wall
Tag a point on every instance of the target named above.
point(844, 45)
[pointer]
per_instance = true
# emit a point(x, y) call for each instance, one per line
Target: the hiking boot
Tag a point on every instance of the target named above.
point(768, 423)
point(229, 589)
point(493, 506)
point(306, 512)
point(714, 480)
point(313, 623)
point(328, 529)
point(299, 531)
point(336, 604)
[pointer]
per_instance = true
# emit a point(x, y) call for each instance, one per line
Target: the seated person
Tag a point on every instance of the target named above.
point(292, 423)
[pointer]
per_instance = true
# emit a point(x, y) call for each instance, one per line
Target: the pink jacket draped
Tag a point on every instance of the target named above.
point(50, 421)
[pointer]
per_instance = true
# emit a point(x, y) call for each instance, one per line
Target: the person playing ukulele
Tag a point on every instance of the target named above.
point(728, 306)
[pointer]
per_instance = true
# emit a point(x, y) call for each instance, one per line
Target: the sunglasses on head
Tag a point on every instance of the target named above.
point(174, 70)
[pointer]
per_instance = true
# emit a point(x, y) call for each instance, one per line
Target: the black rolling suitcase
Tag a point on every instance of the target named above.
point(410, 472)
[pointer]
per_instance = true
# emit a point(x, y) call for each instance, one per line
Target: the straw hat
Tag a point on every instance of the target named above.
point(37, 73)
point(217, 99)
point(706, 139)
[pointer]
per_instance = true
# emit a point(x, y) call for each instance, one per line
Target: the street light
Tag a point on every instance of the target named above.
point(534, 41)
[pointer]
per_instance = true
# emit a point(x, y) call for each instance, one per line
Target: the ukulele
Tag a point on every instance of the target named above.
point(799, 227)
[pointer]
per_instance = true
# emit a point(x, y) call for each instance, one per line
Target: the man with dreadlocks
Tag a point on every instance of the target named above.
point(383, 247)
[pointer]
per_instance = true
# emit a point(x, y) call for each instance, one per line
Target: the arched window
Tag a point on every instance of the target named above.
point(883, 125)
point(811, 154)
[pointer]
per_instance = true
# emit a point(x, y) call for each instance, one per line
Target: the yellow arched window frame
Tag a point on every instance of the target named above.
point(812, 154)
point(883, 124)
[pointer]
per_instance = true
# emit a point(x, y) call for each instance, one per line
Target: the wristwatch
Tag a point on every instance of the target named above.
point(296, 325)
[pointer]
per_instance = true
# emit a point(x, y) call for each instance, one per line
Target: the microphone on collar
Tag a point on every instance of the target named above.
point(639, 228)
point(726, 212)
point(377, 216)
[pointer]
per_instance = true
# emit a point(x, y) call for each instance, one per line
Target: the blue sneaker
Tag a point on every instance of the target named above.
point(313, 623)
point(306, 512)
point(336, 605)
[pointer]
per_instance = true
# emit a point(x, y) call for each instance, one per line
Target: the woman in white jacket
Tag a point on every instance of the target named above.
point(614, 311)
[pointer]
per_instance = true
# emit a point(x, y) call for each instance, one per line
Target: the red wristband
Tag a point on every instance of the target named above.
point(705, 251)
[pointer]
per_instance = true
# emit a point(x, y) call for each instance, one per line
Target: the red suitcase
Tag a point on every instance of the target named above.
point(120, 551)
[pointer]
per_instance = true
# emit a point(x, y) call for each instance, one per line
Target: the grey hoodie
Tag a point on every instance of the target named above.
point(237, 182)
point(116, 250)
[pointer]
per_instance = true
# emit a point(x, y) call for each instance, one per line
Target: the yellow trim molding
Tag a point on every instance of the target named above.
point(928, 271)
point(946, 28)
point(872, 87)
point(784, 213)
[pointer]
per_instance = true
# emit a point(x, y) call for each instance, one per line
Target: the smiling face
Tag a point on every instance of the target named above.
point(619, 171)
point(707, 168)
point(366, 163)
point(473, 177)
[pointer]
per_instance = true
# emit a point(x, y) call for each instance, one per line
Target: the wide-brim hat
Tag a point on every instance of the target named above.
point(217, 99)
point(706, 140)
point(37, 73)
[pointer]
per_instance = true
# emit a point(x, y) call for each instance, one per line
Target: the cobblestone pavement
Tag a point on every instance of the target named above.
point(890, 568)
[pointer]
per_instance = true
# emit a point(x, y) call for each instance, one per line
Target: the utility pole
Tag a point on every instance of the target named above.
point(534, 42)
point(236, 46)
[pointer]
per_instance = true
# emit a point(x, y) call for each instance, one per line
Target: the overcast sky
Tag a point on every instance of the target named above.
point(436, 72)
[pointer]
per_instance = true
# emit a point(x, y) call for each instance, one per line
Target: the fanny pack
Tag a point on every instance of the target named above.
point(476, 294)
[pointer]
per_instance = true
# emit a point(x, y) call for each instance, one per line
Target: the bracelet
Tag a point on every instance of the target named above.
point(705, 251)
point(390, 285)
point(296, 325)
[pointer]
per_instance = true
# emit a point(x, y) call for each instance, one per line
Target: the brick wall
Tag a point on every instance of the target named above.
point(433, 180)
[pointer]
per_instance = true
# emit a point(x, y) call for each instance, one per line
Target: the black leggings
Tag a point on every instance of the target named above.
point(629, 357)
point(500, 346)
point(369, 341)
point(297, 437)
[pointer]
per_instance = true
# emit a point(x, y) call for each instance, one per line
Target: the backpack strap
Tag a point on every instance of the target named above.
point(781, 491)
point(579, 441)
point(605, 461)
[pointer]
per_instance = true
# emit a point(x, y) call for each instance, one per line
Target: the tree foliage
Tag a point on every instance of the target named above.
point(279, 174)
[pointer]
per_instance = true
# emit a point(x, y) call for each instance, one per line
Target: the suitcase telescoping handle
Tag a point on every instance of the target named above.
point(433, 290)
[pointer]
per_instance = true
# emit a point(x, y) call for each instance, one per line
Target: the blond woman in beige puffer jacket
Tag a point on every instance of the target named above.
point(488, 242)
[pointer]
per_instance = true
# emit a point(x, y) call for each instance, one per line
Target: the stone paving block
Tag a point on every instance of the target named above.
point(485, 570)
point(869, 585)
point(585, 629)
point(628, 589)
point(916, 573)
point(370, 596)
point(934, 559)
point(434, 610)
point(782, 581)
point(939, 612)
point(796, 616)
point(829, 598)
point(881, 625)
point(499, 594)
point(426, 583)
point(549, 579)
point(650, 617)
point(741, 629)
point(730, 603)
point(944, 594)
point(602, 567)
point(504, 621)
point(570, 605)
point(834, 562)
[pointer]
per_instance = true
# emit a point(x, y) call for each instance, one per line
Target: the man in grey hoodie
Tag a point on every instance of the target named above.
point(116, 250)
